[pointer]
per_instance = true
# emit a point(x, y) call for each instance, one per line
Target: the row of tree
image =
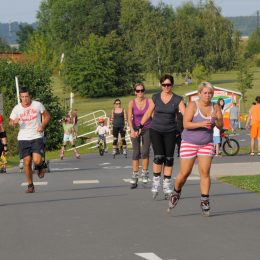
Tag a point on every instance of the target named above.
point(110, 44)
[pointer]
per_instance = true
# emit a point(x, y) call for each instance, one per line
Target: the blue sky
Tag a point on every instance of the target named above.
point(25, 10)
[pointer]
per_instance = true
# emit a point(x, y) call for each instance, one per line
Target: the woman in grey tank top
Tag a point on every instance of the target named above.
point(163, 133)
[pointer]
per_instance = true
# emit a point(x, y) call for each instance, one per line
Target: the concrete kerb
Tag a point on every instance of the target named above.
point(232, 169)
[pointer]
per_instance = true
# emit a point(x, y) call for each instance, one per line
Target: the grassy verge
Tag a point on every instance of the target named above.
point(250, 183)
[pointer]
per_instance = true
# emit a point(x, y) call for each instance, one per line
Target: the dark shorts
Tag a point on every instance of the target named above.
point(28, 147)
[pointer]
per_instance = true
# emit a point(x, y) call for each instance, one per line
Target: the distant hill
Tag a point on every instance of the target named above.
point(8, 31)
point(245, 24)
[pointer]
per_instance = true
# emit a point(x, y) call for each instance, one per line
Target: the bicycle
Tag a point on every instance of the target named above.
point(230, 146)
point(101, 146)
point(3, 163)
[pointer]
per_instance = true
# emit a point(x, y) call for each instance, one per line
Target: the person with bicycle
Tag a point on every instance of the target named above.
point(32, 118)
point(119, 124)
point(3, 146)
point(102, 130)
point(197, 142)
point(141, 143)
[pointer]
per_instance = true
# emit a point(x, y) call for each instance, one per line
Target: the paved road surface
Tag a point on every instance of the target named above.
point(84, 209)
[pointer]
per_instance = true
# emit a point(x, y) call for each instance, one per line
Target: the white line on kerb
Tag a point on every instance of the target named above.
point(42, 183)
point(85, 181)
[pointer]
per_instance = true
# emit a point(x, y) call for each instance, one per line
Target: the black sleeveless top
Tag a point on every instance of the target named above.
point(118, 120)
point(164, 118)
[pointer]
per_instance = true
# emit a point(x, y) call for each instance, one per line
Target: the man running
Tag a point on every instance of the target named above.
point(32, 118)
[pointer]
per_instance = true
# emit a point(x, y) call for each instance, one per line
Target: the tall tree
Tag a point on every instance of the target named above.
point(253, 46)
point(24, 33)
point(102, 66)
point(69, 22)
point(4, 47)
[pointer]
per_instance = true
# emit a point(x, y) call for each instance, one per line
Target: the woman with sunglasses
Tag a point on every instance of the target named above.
point(118, 121)
point(141, 143)
point(163, 133)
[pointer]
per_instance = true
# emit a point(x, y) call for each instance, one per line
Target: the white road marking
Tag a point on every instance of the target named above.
point(64, 169)
point(112, 167)
point(39, 183)
point(150, 256)
point(85, 181)
point(106, 163)
point(242, 140)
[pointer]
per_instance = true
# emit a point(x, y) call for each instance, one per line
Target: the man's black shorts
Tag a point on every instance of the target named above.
point(28, 147)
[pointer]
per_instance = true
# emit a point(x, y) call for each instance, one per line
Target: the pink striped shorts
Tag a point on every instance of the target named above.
point(189, 150)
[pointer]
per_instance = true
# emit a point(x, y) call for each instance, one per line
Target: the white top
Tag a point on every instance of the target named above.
point(102, 130)
point(29, 120)
point(216, 131)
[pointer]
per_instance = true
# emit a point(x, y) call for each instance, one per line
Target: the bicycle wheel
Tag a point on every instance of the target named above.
point(101, 148)
point(231, 147)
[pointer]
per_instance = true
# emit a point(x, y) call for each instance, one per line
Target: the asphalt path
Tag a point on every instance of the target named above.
point(84, 209)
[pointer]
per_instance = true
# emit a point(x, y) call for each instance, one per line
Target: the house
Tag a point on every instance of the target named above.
point(229, 97)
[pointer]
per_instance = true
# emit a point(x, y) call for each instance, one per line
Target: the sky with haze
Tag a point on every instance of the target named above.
point(25, 10)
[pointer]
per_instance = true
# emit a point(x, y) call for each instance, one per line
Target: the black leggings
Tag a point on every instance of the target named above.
point(163, 143)
point(116, 131)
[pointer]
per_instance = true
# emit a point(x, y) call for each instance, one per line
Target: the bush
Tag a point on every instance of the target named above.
point(37, 80)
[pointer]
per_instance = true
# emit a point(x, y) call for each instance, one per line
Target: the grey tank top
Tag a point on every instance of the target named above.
point(118, 119)
point(164, 118)
point(199, 136)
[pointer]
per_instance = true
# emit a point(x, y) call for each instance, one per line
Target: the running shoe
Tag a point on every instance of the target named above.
point(30, 189)
point(41, 173)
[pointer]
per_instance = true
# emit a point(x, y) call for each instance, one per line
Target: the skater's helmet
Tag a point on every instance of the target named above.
point(101, 120)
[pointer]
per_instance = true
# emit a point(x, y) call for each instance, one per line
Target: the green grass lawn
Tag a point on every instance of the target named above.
point(221, 79)
point(250, 183)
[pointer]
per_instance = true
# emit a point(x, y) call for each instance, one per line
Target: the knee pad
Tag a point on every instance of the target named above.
point(3, 135)
point(159, 159)
point(115, 141)
point(123, 141)
point(168, 161)
point(73, 146)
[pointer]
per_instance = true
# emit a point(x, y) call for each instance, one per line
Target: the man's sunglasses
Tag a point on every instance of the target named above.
point(139, 90)
point(166, 85)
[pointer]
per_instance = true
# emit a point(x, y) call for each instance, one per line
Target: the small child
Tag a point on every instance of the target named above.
point(101, 131)
point(68, 137)
point(216, 140)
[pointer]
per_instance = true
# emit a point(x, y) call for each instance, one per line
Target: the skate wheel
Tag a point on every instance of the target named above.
point(155, 195)
point(168, 210)
point(134, 186)
point(205, 213)
point(166, 196)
